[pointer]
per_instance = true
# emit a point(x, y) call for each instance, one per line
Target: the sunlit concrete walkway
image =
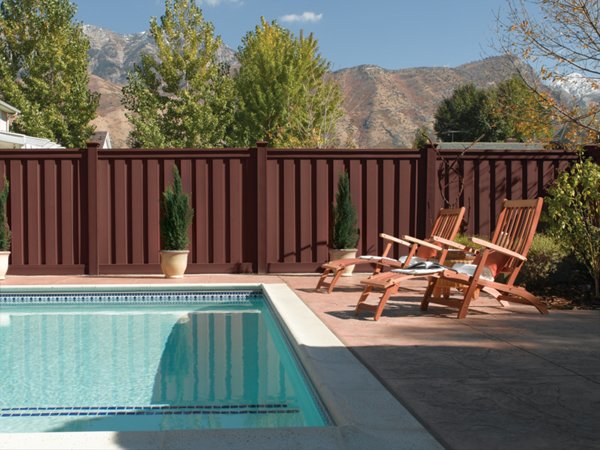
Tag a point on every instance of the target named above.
point(501, 378)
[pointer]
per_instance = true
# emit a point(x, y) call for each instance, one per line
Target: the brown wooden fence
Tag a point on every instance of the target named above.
point(259, 210)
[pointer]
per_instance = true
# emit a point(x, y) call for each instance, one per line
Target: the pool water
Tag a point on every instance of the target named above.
point(177, 361)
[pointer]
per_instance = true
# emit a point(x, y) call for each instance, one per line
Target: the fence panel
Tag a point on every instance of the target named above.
point(44, 210)
point(301, 189)
point(97, 211)
point(486, 177)
point(130, 184)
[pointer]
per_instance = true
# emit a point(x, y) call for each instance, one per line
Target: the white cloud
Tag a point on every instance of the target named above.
point(304, 17)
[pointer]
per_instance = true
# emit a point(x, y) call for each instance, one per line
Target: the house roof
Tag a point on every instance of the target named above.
point(102, 138)
point(7, 108)
point(492, 146)
point(16, 140)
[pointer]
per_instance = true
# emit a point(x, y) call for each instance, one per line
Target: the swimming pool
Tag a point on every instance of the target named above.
point(148, 361)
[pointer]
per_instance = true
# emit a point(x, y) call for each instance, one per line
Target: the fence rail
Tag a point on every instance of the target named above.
point(96, 211)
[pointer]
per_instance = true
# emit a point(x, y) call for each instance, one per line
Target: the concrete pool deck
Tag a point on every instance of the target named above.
point(501, 378)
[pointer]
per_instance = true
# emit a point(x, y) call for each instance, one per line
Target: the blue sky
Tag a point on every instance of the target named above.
point(392, 34)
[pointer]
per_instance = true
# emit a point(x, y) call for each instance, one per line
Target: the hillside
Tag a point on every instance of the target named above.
point(383, 107)
point(111, 115)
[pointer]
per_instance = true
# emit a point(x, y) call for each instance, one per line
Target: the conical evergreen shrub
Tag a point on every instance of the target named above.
point(176, 216)
point(345, 232)
point(4, 229)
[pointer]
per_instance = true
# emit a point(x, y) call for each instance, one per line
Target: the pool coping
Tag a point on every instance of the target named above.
point(365, 414)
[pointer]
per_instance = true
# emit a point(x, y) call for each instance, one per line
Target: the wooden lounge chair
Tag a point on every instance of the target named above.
point(505, 254)
point(444, 230)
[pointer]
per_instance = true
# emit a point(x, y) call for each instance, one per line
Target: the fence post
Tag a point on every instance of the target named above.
point(261, 207)
point(91, 168)
point(426, 191)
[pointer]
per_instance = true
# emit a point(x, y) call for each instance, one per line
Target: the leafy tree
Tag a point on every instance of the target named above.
point(284, 94)
point(463, 116)
point(422, 139)
point(557, 38)
point(43, 70)
point(182, 97)
point(518, 113)
point(574, 207)
point(509, 110)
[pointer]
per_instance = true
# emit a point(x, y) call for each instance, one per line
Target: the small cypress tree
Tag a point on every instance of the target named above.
point(176, 215)
point(4, 229)
point(345, 232)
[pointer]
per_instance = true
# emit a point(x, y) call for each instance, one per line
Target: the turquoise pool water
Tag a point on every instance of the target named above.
point(148, 361)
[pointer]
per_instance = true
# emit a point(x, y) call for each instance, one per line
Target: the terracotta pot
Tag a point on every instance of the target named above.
point(343, 253)
point(3, 264)
point(173, 262)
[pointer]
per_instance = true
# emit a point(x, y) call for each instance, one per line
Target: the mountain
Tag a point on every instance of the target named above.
point(110, 115)
point(112, 55)
point(384, 108)
point(583, 89)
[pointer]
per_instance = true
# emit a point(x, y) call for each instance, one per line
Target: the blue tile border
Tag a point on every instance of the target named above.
point(132, 298)
point(148, 410)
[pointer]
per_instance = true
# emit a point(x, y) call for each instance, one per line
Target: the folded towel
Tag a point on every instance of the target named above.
point(375, 258)
point(469, 269)
point(422, 268)
point(431, 267)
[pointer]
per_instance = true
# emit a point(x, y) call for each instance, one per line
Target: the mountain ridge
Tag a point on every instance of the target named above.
point(384, 107)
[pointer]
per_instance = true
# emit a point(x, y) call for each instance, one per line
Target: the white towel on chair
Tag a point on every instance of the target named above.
point(422, 268)
point(469, 269)
point(375, 258)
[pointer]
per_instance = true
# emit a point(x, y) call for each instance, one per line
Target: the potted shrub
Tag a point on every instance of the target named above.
point(176, 216)
point(344, 232)
point(4, 231)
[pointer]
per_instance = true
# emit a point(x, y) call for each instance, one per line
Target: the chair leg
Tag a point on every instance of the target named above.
point(383, 300)
point(363, 297)
point(529, 298)
point(324, 276)
point(428, 293)
point(469, 295)
point(336, 277)
point(330, 285)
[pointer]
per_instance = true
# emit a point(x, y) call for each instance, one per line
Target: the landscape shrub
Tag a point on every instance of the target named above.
point(344, 234)
point(465, 240)
point(545, 259)
point(574, 211)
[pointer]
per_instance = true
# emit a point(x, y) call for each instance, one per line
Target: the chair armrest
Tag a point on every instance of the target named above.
point(498, 249)
point(393, 239)
point(448, 243)
point(421, 242)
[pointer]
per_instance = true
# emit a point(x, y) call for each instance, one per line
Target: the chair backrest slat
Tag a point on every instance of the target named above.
point(516, 227)
point(448, 223)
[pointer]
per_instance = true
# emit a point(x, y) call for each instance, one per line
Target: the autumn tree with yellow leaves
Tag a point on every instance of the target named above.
point(558, 38)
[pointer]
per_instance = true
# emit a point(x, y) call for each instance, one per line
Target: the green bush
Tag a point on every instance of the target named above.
point(574, 210)
point(545, 261)
point(4, 229)
point(345, 233)
point(176, 216)
point(465, 240)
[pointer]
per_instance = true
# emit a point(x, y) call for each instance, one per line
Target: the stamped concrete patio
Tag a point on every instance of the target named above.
point(501, 378)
